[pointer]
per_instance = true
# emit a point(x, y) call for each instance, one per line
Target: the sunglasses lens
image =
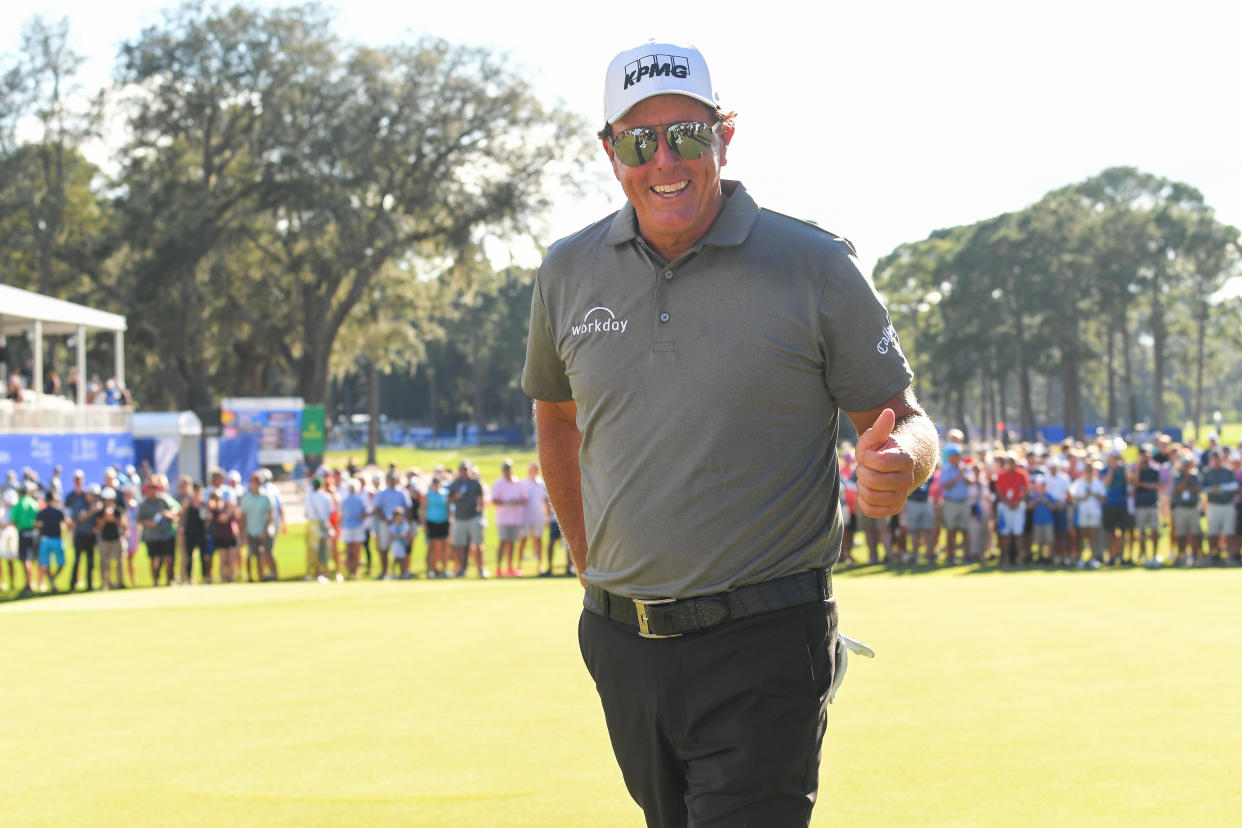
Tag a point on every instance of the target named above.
point(690, 140)
point(635, 147)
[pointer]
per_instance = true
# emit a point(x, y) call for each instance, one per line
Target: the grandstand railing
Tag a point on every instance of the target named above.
point(57, 415)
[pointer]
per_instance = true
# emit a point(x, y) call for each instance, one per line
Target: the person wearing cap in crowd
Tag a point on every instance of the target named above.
point(1221, 486)
point(1012, 485)
point(1187, 491)
point(400, 538)
point(78, 506)
point(509, 500)
point(353, 510)
point(955, 482)
point(158, 515)
point(319, 531)
point(194, 536)
point(435, 517)
point(468, 500)
point(1145, 483)
point(1088, 493)
point(387, 501)
point(1057, 484)
point(24, 515)
point(49, 522)
point(534, 518)
point(659, 337)
point(257, 524)
point(8, 537)
point(1117, 524)
point(112, 525)
point(373, 519)
point(222, 529)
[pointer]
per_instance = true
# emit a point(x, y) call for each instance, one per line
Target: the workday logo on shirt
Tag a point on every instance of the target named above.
point(599, 320)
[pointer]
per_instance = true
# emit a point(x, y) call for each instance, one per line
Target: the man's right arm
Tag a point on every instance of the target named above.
point(556, 429)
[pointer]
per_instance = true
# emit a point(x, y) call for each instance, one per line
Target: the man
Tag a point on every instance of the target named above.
point(534, 518)
point(258, 527)
point(509, 498)
point(24, 515)
point(467, 499)
point(687, 357)
point(1220, 485)
point(1012, 485)
point(955, 482)
point(158, 515)
point(1187, 488)
point(80, 506)
point(387, 501)
point(1145, 482)
point(319, 531)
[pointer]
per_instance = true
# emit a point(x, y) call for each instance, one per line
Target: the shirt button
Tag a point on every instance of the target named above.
point(668, 274)
point(664, 317)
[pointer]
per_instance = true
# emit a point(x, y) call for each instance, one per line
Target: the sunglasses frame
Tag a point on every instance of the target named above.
point(656, 130)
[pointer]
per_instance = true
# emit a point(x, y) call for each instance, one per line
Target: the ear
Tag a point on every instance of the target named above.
point(726, 135)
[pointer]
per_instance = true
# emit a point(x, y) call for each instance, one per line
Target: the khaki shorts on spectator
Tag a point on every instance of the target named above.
point(1220, 519)
point(866, 523)
point(1186, 520)
point(533, 530)
point(920, 515)
point(508, 532)
point(353, 534)
point(1147, 519)
point(1042, 534)
point(956, 515)
point(468, 532)
point(257, 545)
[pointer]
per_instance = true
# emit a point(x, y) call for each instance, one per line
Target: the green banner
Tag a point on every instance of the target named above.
point(312, 430)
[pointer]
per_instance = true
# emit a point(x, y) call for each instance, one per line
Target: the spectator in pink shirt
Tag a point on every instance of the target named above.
point(509, 496)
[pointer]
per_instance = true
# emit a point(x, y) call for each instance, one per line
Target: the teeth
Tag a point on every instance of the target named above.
point(669, 189)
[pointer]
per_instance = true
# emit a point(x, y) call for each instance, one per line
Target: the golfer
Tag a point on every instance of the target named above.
point(689, 356)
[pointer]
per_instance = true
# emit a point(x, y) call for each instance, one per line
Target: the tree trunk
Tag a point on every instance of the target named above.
point(432, 402)
point(1110, 363)
point(373, 381)
point(476, 379)
point(1128, 364)
point(1158, 335)
point(1199, 360)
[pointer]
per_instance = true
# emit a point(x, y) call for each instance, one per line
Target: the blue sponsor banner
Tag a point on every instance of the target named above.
point(92, 453)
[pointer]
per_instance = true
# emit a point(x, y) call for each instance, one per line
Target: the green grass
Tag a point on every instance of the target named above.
point(1035, 698)
point(487, 458)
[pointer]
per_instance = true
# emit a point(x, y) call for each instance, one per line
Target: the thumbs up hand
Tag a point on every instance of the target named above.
point(885, 468)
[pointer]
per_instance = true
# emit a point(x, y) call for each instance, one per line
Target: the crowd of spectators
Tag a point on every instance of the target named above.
point(349, 512)
point(1071, 504)
point(108, 392)
point(358, 524)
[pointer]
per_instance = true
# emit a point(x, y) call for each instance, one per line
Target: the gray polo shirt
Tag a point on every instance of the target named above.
point(708, 391)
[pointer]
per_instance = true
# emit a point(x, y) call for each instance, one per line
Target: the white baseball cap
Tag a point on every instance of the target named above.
point(655, 69)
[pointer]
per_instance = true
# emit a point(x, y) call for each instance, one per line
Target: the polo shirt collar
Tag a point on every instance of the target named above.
point(729, 229)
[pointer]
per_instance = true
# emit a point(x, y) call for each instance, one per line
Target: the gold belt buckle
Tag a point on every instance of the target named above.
point(644, 629)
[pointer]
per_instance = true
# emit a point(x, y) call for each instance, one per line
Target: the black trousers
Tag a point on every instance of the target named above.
point(722, 727)
point(83, 546)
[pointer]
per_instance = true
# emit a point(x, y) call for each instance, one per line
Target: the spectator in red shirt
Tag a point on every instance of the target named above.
point(1012, 485)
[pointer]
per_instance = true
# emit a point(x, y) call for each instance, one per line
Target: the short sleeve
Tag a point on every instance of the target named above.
point(863, 362)
point(543, 377)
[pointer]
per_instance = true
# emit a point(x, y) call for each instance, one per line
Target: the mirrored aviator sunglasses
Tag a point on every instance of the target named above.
point(689, 139)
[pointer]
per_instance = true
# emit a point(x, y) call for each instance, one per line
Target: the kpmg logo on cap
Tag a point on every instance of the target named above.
point(653, 66)
point(596, 323)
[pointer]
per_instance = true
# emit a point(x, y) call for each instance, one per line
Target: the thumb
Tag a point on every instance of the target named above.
point(879, 432)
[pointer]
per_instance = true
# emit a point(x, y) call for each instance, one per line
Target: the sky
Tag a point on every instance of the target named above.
point(879, 121)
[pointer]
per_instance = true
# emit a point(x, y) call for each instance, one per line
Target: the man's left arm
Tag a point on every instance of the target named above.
point(896, 452)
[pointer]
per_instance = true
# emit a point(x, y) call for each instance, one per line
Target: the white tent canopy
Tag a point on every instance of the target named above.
point(22, 311)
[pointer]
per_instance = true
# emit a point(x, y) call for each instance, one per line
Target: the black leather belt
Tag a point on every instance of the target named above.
point(669, 617)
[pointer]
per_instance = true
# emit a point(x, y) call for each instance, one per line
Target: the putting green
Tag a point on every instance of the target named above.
point(1016, 699)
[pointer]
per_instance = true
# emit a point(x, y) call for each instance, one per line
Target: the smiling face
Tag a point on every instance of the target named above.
point(675, 200)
